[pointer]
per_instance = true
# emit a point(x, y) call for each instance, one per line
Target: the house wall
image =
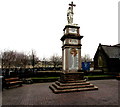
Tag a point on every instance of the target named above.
point(114, 65)
point(104, 63)
point(101, 60)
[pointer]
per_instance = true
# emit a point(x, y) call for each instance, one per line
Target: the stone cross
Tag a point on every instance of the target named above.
point(72, 6)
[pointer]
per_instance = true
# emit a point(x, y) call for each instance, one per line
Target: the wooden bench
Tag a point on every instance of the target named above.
point(10, 82)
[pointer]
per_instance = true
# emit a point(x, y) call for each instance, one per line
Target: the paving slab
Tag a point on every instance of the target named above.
point(40, 94)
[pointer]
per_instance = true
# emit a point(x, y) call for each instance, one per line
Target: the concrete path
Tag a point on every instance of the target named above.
point(40, 94)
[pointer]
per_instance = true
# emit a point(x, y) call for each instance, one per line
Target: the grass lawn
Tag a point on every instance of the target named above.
point(45, 77)
point(98, 76)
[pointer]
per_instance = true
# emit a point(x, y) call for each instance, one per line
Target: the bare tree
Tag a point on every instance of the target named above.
point(17, 59)
point(56, 60)
point(24, 60)
point(33, 59)
point(86, 58)
point(8, 59)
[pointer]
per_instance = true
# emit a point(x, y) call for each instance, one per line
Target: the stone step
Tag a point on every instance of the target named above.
point(71, 87)
point(71, 84)
point(72, 90)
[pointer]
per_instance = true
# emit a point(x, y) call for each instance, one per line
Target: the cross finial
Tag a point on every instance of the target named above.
point(72, 5)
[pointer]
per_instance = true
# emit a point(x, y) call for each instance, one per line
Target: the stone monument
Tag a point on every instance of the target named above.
point(72, 77)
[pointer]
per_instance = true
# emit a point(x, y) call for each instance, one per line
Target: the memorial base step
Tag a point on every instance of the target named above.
point(82, 85)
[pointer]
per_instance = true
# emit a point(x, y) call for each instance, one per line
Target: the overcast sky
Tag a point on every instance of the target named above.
point(38, 25)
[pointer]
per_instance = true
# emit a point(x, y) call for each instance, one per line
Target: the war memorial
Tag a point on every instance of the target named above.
point(72, 89)
point(72, 76)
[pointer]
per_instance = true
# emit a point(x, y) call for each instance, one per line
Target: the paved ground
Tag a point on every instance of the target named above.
point(40, 94)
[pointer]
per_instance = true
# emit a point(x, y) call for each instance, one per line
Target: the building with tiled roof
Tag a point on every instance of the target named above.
point(107, 58)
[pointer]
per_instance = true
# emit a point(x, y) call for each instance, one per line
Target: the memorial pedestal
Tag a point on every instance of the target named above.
point(71, 76)
point(71, 82)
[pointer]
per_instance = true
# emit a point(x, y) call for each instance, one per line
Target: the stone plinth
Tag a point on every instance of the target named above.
point(71, 82)
point(71, 76)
